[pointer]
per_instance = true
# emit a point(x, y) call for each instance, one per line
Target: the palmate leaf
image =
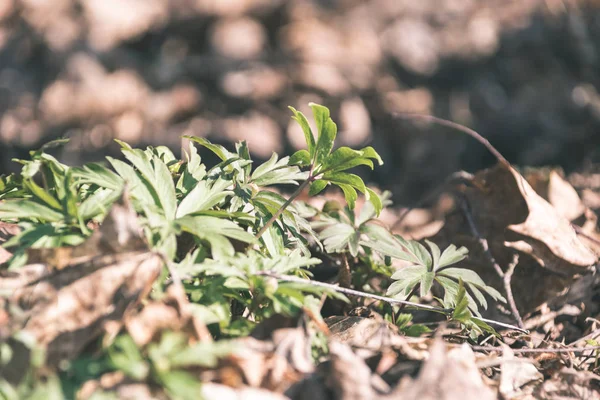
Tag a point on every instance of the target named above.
point(274, 172)
point(216, 231)
point(450, 256)
point(139, 189)
point(461, 311)
point(97, 174)
point(205, 195)
point(336, 238)
point(474, 282)
point(28, 209)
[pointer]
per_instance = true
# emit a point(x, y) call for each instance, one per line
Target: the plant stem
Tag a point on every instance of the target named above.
point(284, 206)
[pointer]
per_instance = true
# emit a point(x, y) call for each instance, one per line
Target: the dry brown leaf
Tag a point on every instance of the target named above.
point(65, 309)
point(447, 374)
point(516, 373)
point(555, 189)
point(512, 217)
point(275, 356)
point(569, 383)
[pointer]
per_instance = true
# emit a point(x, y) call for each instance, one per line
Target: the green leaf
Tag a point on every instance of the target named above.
point(409, 273)
point(452, 255)
point(98, 203)
point(317, 187)
point(300, 158)
point(215, 231)
point(375, 200)
point(336, 237)
point(416, 330)
point(347, 179)
point(370, 152)
point(138, 188)
point(426, 283)
point(165, 188)
point(98, 175)
point(204, 196)
point(349, 194)
point(275, 172)
point(219, 150)
point(27, 209)
point(401, 289)
point(42, 194)
point(181, 385)
point(327, 131)
point(308, 135)
point(466, 275)
point(415, 252)
point(461, 311)
point(343, 156)
point(435, 252)
point(353, 243)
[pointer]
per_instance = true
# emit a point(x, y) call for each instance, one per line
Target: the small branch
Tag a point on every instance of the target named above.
point(345, 274)
point(411, 294)
point(508, 289)
point(284, 206)
point(505, 276)
point(455, 178)
point(537, 351)
point(480, 239)
point(352, 292)
point(461, 128)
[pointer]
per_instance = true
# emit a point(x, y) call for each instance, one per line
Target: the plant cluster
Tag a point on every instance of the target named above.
point(235, 241)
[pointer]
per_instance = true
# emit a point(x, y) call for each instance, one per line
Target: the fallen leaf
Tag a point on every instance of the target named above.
point(66, 309)
point(447, 374)
point(516, 373)
point(512, 217)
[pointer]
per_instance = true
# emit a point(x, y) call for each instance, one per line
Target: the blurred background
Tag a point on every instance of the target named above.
point(523, 73)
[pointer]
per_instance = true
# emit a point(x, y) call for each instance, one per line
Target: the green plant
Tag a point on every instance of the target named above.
point(242, 250)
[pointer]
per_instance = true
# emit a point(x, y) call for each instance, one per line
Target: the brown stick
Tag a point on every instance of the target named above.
point(506, 277)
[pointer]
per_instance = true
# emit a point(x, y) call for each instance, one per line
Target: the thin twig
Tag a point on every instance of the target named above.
point(483, 241)
point(345, 274)
point(461, 128)
point(455, 178)
point(537, 351)
point(353, 292)
point(508, 289)
point(591, 336)
point(445, 311)
point(283, 207)
point(505, 276)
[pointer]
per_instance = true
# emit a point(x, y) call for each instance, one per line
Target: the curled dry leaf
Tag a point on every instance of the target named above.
point(568, 383)
point(511, 216)
point(275, 356)
point(447, 374)
point(350, 378)
point(65, 309)
point(516, 373)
